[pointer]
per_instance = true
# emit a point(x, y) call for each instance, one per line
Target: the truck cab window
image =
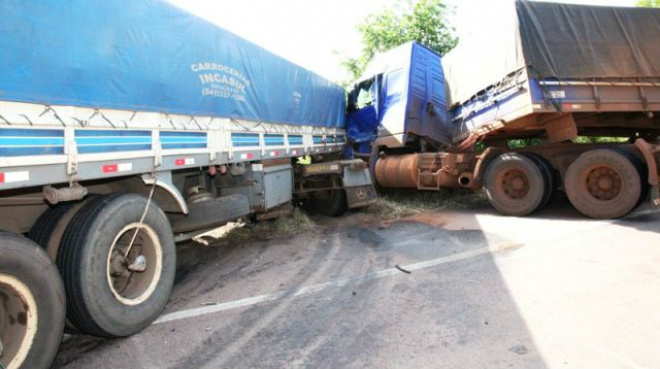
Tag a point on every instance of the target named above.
point(362, 96)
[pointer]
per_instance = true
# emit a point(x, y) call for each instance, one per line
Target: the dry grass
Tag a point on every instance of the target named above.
point(298, 222)
point(236, 232)
point(397, 204)
point(392, 205)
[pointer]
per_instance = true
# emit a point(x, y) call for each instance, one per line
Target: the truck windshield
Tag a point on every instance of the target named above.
point(363, 95)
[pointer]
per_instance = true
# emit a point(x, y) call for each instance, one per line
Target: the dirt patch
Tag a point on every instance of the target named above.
point(399, 204)
point(393, 206)
point(432, 219)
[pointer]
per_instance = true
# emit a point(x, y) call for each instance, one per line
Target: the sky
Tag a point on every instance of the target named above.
point(316, 33)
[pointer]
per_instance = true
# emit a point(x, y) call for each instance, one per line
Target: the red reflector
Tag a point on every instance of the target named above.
point(2, 178)
point(110, 168)
point(180, 162)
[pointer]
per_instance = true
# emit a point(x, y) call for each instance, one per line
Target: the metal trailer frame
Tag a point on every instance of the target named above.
point(524, 103)
point(43, 144)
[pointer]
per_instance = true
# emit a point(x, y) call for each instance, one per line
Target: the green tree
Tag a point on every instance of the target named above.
point(649, 3)
point(424, 21)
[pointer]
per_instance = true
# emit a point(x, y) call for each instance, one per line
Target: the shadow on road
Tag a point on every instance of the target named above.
point(454, 314)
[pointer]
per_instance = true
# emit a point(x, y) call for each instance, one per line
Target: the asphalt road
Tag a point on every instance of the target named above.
point(472, 290)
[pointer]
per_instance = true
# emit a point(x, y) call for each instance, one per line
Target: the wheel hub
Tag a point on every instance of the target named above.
point(132, 279)
point(515, 184)
point(604, 183)
point(139, 265)
point(18, 321)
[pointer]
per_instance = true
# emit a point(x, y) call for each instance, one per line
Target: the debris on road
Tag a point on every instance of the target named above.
point(520, 350)
point(403, 270)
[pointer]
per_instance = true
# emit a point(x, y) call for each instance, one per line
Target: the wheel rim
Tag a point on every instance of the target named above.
point(513, 184)
point(133, 277)
point(601, 184)
point(18, 321)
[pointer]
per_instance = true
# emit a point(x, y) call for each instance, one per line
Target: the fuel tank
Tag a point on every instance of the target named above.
point(398, 171)
point(428, 171)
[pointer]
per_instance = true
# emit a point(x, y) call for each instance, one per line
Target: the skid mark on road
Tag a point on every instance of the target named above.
point(316, 288)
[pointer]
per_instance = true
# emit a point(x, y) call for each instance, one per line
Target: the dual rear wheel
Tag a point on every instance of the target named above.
point(519, 184)
point(601, 183)
point(31, 305)
point(606, 183)
point(117, 261)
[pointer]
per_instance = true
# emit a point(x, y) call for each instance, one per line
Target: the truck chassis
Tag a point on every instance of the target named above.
point(103, 196)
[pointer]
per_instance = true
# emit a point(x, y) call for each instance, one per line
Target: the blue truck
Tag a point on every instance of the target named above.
point(552, 77)
point(126, 127)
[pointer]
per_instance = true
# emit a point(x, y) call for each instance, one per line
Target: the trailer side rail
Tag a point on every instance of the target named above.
point(42, 145)
point(523, 96)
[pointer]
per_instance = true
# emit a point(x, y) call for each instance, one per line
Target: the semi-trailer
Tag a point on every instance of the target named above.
point(126, 127)
point(546, 76)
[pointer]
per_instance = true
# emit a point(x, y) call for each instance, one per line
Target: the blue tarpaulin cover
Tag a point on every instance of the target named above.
point(150, 55)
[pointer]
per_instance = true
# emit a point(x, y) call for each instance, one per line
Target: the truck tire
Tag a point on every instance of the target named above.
point(549, 176)
point(48, 230)
point(331, 203)
point(32, 312)
point(515, 185)
point(603, 184)
point(642, 170)
point(110, 295)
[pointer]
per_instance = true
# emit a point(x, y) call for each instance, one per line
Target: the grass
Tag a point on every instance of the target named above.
point(236, 232)
point(392, 205)
point(397, 204)
point(298, 222)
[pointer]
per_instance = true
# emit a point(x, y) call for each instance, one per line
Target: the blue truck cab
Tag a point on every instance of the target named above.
point(400, 101)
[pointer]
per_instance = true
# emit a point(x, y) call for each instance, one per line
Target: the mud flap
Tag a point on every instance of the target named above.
point(357, 182)
point(649, 153)
point(358, 197)
point(655, 196)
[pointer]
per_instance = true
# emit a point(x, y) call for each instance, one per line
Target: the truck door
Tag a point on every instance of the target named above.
point(362, 116)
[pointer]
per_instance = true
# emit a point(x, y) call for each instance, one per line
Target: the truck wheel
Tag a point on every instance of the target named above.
point(32, 309)
point(603, 184)
point(115, 290)
point(48, 230)
point(515, 185)
point(643, 172)
point(549, 177)
point(331, 203)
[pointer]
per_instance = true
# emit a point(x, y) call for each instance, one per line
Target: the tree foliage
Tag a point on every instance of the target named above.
point(424, 21)
point(649, 3)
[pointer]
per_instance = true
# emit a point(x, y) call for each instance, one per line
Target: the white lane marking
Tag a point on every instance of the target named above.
point(308, 290)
